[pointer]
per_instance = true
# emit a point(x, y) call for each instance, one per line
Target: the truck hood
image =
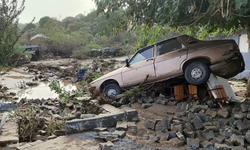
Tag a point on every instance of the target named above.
point(108, 75)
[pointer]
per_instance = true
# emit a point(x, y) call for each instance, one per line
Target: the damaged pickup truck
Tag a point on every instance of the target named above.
point(179, 56)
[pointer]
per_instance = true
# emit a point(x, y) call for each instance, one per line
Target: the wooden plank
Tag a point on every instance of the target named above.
point(220, 91)
point(192, 89)
point(179, 92)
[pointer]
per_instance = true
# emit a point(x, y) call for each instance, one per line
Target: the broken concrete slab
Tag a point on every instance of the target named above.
point(9, 133)
point(103, 120)
point(6, 107)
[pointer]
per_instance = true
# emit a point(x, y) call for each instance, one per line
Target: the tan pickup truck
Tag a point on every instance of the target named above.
point(179, 56)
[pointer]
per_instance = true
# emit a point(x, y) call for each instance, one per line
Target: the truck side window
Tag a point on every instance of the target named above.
point(142, 55)
point(168, 46)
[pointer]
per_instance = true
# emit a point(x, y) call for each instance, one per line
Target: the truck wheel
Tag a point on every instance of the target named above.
point(197, 73)
point(111, 90)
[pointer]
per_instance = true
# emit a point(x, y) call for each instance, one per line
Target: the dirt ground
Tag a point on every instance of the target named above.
point(157, 111)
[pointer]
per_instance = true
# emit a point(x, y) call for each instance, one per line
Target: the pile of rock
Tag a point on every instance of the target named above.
point(203, 126)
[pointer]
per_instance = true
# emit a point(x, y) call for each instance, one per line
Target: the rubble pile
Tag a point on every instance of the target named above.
point(51, 115)
point(199, 125)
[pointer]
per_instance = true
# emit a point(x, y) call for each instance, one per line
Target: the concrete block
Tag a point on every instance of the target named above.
point(132, 115)
point(176, 127)
point(211, 113)
point(240, 125)
point(247, 136)
point(107, 120)
point(164, 124)
point(221, 146)
point(194, 143)
point(223, 113)
point(197, 123)
point(239, 115)
point(150, 124)
point(176, 142)
point(238, 148)
point(209, 135)
point(122, 125)
point(180, 136)
point(237, 141)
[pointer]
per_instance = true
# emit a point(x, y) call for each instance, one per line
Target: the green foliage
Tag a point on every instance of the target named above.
point(64, 95)
point(206, 14)
point(93, 46)
point(28, 122)
point(29, 26)
point(96, 76)
point(9, 32)
point(43, 21)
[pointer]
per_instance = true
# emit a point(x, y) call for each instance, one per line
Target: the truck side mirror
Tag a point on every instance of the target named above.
point(127, 63)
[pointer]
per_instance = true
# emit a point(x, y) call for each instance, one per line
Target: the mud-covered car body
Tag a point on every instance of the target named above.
point(170, 58)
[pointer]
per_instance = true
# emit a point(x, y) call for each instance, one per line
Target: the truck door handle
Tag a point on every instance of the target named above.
point(149, 59)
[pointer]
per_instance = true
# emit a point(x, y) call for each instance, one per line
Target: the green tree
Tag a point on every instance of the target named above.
point(9, 32)
point(43, 21)
point(208, 15)
point(29, 26)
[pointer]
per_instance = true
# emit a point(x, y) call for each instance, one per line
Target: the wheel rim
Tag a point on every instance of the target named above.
point(112, 92)
point(196, 73)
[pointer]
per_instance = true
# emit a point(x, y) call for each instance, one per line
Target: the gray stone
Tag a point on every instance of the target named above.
point(163, 125)
point(220, 139)
point(132, 115)
point(176, 127)
point(238, 148)
point(6, 107)
point(188, 134)
point(244, 107)
point(9, 133)
point(38, 137)
point(106, 146)
point(194, 143)
point(209, 135)
point(189, 126)
point(197, 108)
point(247, 136)
point(248, 116)
point(172, 134)
point(4, 119)
point(176, 142)
point(211, 128)
point(120, 134)
point(107, 120)
point(149, 100)
point(237, 141)
point(162, 102)
point(51, 137)
point(221, 146)
point(60, 132)
point(206, 144)
point(146, 105)
point(107, 136)
point(122, 125)
point(154, 138)
point(223, 113)
point(197, 123)
point(180, 114)
point(100, 129)
point(240, 125)
point(180, 136)
point(83, 116)
point(239, 115)
point(150, 124)
point(211, 113)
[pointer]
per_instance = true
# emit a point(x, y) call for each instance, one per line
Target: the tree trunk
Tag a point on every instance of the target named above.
point(248, 82)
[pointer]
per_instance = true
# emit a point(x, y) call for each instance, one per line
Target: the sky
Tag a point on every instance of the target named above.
point(58, 9)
